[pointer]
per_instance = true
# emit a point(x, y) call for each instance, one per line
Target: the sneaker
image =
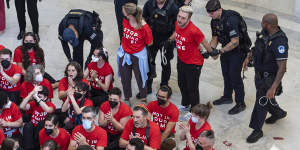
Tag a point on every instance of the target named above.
point(21, 35)
point(237, 109)
point(138, 95)
point(255, 136)
point(274, 118)
point(222, 100)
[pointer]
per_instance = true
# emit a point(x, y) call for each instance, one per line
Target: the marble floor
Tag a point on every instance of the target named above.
point(233, 129)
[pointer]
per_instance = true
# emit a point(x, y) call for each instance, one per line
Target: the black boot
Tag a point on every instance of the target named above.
point(21, 35)
point(237, 109)
point(255, 136)
point(222, 100)
point(274, 118)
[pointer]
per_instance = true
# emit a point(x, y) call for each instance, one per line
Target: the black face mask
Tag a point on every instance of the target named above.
point(161, 101)
point(5, 64)
point(19, 148)
point(77, 95)
point(198, 147)
point(48, 131)
point(29, 45)
point(113, 104)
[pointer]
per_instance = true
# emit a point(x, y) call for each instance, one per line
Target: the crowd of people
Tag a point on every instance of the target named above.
point(93, 114)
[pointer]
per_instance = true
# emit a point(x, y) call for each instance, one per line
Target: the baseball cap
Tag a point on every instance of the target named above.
point(212, 5)
point(69, 36)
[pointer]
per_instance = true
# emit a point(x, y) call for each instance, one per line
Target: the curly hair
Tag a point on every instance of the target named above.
point(78, 68)
point(29, 76)
point(39, 53)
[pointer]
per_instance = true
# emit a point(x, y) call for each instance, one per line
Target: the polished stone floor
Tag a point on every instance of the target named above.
point(233, 129)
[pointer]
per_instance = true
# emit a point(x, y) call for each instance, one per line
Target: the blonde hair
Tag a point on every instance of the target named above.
point(134, 10)
point(187, 9)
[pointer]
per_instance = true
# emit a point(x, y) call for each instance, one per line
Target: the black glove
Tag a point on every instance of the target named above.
point(214, 52)
point(205, 54)
point(7, 4)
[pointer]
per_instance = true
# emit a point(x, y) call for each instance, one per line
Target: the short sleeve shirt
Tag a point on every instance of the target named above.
point(188, 40)
point(135, 40)
point(38, 114)
point(124, 111)
point(27, 87)
point(162, 116)
point(10, 113)
point(98, 137)
point(18, 56)
point(12, 71)
point(86, 103)
point(64, 85)
point(63, 138)
point(280, 48)
point(102, 73)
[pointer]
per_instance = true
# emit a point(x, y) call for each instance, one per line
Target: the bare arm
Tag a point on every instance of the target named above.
point(279, 75)
point(12, 80)
point(190, 141)
point(123, 143)
point(45, 107)
point(73, 145)
point(214, 42)
point(206, 45)
point(21, 65)
point(100, 148)
point(234, 42)
point(62, 94)
point(102, 122)
point(24, 105)
point(106, 85)
point(120, 125)
point(15, 124)
point(86, 73)
point(168, 130)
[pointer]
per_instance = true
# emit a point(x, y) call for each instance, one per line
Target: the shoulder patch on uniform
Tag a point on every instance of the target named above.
point(281, 49)
point(232, 32)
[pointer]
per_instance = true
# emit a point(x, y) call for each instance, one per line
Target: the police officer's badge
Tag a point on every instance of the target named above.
point(155, 16)
point(281, 49)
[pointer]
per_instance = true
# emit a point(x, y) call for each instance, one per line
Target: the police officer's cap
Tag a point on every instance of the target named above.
point(69, 36)
point(212, 5)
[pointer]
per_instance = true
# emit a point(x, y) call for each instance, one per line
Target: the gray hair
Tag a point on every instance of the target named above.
point(90, 109)
point(29, 76)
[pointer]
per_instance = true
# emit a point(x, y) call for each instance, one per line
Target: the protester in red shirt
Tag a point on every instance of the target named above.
point(10, 144)
point(165, 114)
point(88, 133)
point(31, 53)
point(10, 117)
point(206, 140)
point(50, 145)
point(73, 74)
point(189, 39)
point(2, 137)
point(100, 75)
point(10, 75)
point(196, 125)
point(138, 127)
point(113, 116)
point(76, 101)
point(132, 55)
point(38, 109)
point(1, 47)
point(51, 131)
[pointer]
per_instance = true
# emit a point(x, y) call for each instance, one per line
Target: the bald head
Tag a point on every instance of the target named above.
point(270, 19)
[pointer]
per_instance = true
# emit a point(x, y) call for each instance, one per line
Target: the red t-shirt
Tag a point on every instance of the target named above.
point(161, 116)
point(10, 113)
point(27, 87)
point(135, 40)
point(64, 85)
point(124, 111)
point(154, 137)
point(37, 112)
point(102, 73)
point(98, 137)
point(87, 102)
point(1, 47)
point(63, 138)
point(5, 85)
point(196, 133)
point(2, 137)
point(18, 57)
point(188, 40)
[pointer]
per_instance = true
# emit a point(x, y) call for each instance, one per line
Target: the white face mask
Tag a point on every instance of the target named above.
point(95, 59)
point(195, 120)
point(39, 78)
point(87, 124)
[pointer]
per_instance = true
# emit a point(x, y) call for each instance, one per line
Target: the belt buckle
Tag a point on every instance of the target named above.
point(266, 74)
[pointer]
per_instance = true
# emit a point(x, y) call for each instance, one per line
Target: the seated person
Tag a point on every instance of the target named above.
point(84, 147)
point(206, 140)
point(165, 114)
point(31, 53)
point(141, 127)
point(34, 77)
point(73, 74)
point(100, 75)
point(2, 137)
point(88, 133)
point(113, 116)
point(135, 144)
point(10, 117)
point(10, 75)
point(38, 109)
point(51, 131)
point(10, 144)
point(77, 100)
point(196, 125)
point(50, 145)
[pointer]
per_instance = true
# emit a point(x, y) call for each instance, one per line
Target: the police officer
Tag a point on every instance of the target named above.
point(119, 14)
point(160, 15)
point(270, 57)
point(183, 2)
point(33, 15)
point(226, 30)
point(79, 25)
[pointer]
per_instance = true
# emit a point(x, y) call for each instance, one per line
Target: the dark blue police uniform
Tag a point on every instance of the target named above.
point(268, 50)
point(162, 22)
point(226, 28)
